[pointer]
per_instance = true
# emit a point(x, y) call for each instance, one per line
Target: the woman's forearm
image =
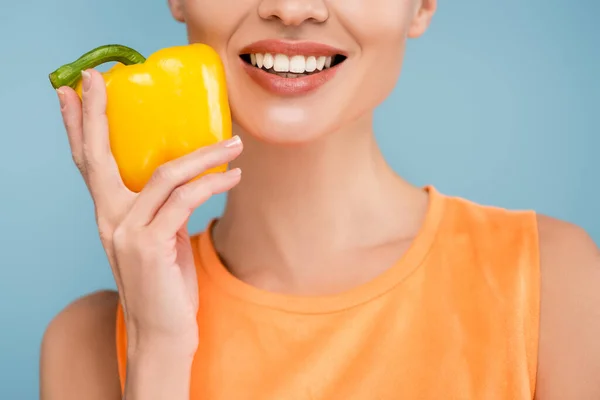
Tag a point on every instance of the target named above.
point(158, 374)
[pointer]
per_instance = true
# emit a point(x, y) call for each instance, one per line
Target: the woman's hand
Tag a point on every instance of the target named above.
point(145, 234)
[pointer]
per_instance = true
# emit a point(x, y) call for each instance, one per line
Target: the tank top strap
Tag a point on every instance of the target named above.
point(494, 256)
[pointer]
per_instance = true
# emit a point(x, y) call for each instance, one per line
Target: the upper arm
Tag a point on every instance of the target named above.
point(569, 342)
point(78, 353)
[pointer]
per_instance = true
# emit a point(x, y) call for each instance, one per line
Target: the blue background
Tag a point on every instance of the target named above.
point(497, 103)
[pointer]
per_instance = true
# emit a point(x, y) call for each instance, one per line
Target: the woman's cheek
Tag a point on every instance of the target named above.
point(213, 22)
point(374, 20)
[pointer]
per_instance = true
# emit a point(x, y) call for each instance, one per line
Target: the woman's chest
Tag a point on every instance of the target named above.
point(364, 355)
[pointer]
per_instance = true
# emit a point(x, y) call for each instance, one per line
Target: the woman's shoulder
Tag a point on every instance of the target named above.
point(476, 215)
point(78, 357)
point(569, 350)
point(553, 237)
point(504, 237)
point(568, 261)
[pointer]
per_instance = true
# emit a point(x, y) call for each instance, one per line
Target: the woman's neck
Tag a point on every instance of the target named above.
point(302, 205)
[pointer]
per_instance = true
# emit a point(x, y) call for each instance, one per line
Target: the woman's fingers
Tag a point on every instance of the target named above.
point(72, 111)
point(95, 123)
point(70, 108)
point(101, 168)
point(176, 173)
point(175, 212)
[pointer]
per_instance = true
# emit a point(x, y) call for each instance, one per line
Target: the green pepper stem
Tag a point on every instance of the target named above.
point(69, 74)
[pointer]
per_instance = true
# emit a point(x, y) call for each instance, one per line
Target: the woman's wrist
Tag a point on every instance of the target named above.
point(183, 347)
point(142, 342)
point(158, 372)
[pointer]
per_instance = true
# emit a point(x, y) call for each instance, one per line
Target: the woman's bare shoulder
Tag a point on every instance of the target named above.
point(569, 350)
point(78, 353)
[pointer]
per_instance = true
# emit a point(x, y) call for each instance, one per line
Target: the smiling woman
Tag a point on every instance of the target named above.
point(327, 276)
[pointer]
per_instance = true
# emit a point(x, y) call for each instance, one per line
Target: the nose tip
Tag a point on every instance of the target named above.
point(294, 12)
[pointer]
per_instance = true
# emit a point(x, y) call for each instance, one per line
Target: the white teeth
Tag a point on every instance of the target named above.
point(321, 62)
point(268, 61)
point(282, 63)
point(297, 64)
point(311, 63)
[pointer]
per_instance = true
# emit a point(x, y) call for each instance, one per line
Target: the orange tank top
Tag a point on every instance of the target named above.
point(456, 318)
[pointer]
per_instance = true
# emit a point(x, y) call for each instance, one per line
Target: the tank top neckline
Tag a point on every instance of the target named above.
point(384, 282)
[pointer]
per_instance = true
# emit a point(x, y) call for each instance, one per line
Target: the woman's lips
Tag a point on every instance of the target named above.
point(309, 60)
point(289, 86)
point(291, 48)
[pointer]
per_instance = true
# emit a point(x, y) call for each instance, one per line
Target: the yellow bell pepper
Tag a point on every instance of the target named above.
point(158, 109)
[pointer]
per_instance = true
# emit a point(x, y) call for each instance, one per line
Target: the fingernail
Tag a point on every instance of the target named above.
point(234, 172)
point(233, 142)
point(87, 81)
point(61, 98)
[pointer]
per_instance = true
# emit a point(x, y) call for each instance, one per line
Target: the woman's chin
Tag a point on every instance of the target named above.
point(287, 135)
point(270, 127)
